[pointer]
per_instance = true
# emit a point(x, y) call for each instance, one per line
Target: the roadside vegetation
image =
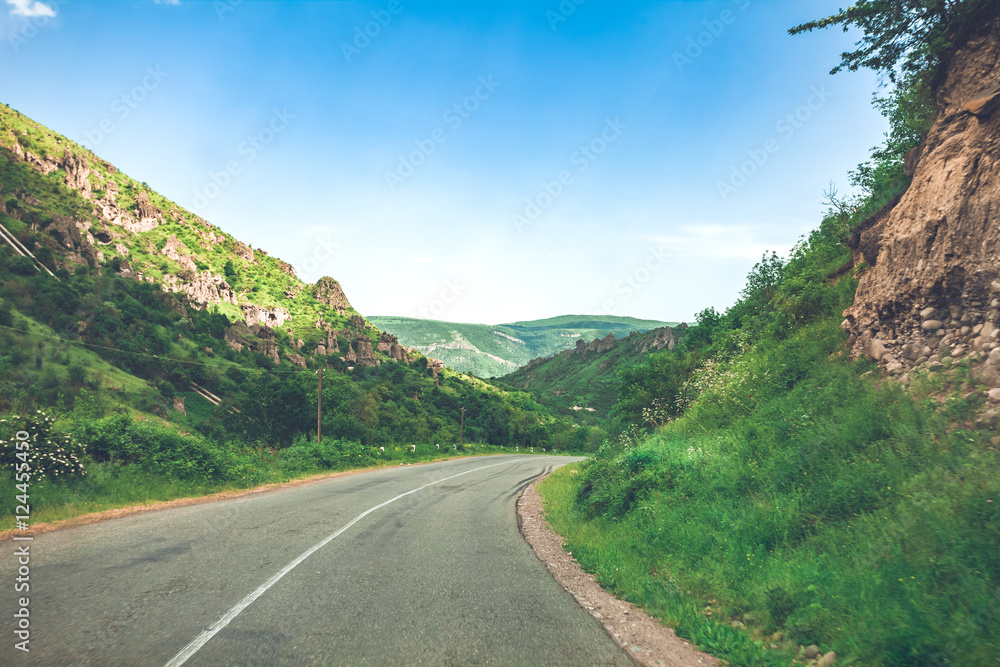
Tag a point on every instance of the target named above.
point(763, 492)
point(129, 461)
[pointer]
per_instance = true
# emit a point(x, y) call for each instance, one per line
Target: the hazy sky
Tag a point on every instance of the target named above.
point(473, 162)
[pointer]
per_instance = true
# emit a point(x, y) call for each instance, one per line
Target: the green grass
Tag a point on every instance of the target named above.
point(830, 505)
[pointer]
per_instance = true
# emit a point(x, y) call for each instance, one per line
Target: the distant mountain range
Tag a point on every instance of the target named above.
point(496, 350)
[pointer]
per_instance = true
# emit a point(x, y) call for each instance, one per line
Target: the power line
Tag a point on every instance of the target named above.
point(138, 354)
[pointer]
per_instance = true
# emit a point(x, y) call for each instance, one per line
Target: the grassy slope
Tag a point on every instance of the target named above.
point(472, 347)
point(568, 379)
point(806, 496)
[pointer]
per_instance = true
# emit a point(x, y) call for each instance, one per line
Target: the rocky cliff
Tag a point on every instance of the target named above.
point(932, 287)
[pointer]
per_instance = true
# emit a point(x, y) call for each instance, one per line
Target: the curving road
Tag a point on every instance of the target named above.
point(401, 566)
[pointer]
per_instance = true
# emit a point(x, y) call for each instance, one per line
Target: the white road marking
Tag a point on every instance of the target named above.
point(214, 629)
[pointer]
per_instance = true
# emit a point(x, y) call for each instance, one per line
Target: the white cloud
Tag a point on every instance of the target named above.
point(423, 260)
point(30, 8)
point(719, 242)
point(168, 2)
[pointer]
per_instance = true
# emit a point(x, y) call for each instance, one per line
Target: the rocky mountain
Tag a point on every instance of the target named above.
point(581, 380)
point(63, 208)
point(931, 292)
point(495, 350)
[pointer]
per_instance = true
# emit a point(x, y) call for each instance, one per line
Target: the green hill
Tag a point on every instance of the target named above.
point(170, 357)
point(496, 350)
point(584, 380)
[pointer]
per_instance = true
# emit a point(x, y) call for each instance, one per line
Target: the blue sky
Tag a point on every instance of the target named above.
point(469, 162)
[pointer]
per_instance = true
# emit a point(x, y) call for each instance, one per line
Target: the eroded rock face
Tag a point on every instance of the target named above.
point(365, 353)
point(328, 291)
point(270, 317)
point(107, 207)
point(935, 254)
point(256, 338)
point(202, 289)
point(77, 172)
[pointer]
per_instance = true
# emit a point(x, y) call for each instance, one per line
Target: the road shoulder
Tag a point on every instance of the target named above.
point(645, 639)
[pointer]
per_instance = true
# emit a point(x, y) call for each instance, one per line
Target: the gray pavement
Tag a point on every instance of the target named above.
point(440, 576)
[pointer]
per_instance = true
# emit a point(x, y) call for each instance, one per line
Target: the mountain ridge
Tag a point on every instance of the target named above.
point(492, 350)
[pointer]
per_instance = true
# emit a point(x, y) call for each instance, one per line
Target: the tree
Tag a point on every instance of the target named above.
point(901, 37)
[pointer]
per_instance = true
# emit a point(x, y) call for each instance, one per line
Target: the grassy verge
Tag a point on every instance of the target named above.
point(805, 501)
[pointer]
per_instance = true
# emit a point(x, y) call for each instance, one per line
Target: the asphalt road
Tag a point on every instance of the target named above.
point(439, 576)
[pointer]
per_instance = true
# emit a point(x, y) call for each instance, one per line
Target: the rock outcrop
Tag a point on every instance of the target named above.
point(244, 251)
point(77, 172)
point(107, 207)
point(269, 317)
point(390, 345)
point(328, 291)
point(202, 288)
point(595, 346)
point(933, 287)
point(256, 338)
point(661, 338)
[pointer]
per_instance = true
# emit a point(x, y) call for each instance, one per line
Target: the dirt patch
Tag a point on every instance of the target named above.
point(645, 639)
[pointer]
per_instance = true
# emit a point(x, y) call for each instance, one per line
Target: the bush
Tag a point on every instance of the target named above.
point(330, 454)
point(118, 438)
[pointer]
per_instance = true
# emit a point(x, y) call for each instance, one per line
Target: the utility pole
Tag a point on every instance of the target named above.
point(319, 409)
point(461, 438)
point(557, 435)
point(524, 433)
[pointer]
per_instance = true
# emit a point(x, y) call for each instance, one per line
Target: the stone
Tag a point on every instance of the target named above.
point(984, 102)
point(827, 660)
point(179, 404)
point(932, 325)
point(875, 349)
point(928, 313)
point(810, 652)
point(994, 358)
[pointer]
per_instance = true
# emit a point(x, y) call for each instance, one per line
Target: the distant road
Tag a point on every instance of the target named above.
point(439, 576)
